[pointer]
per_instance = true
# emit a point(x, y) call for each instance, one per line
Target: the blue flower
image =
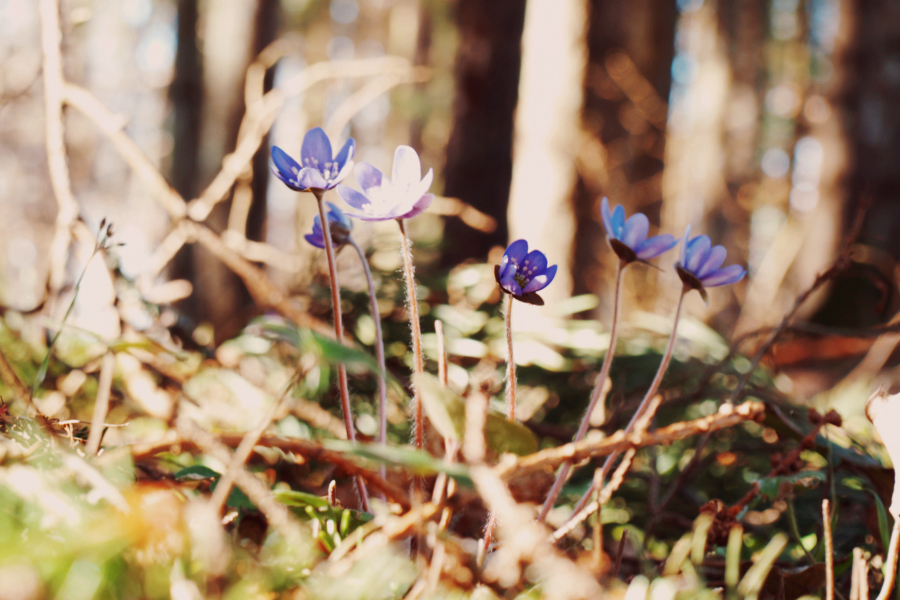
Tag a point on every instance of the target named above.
point(320, 170)
point(340, 228)
point(401, 197)
point(523, 273)
point(628, 238)
point(700, 264)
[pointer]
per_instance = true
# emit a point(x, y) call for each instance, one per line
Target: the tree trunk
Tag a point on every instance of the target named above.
point(626, 90)
point(479, 153)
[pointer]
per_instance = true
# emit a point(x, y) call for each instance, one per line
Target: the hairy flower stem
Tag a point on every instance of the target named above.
point(379, 349)
point(564, 470)
point(654, 386)
point(339, 334)
point(510, 365)
point(416, 327)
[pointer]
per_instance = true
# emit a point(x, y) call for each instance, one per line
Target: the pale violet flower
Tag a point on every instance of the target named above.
point(700, 264)
point(402, 196)
point(320, 170)
point(628, 237)
point(523, 274)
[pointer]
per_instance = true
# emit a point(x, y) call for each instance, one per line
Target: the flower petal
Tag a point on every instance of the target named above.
point(368, 176)
point(345, 156)
point(714, 260)
point(606, 216)
point(515, 252)
point(728, 275)
point(316, 240)
point(310, 178)
point(656, 245)
point(287, 166)
point(635, 230)
point(407, 169)
point(419, 206)
point(534, 263)
point(541, 281)
point(511, 285)
point(419, 190)
point(336, 215)
point(352, 197)
point(285, 180)
point(697, 250)
point(316, 150)
point(682, 257)
point(618, 222)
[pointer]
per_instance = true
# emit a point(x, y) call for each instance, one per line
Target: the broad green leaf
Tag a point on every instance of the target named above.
point(884, 526)
point(236, 497)
point(447, 412)
point(196, 473)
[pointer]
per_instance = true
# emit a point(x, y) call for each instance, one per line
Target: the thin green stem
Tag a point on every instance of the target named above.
point(379, 351)
point(795, 529)
point(510, 366)
point(651, 391)
point(553, 494)
point(339, 334)
point(416, 327)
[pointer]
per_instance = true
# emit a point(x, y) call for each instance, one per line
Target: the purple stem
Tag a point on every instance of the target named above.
point(564, 470)
point(339, 334)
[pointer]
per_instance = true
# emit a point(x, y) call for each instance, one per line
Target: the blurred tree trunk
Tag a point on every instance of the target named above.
point(548, 135)
point(867, 293)
point(626, 89)
point(478, 169)
point(209, 104)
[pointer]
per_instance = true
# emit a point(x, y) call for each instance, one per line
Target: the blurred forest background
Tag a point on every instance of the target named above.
point(770, 125)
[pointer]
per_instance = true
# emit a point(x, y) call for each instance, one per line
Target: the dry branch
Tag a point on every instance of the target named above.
point(728, 416)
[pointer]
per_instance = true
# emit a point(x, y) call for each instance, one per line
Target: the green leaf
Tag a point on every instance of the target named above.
point(884, 526)
point(443, 407)
point(196, 473)
point(447, 412)
point(236, 498)
point(300, 499)
point(768, 486)
point(415, 461)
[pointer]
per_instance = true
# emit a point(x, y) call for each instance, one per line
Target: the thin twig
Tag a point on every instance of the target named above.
point(442, 352)
point(728, 416)
point(829, 551)
point(101, 404)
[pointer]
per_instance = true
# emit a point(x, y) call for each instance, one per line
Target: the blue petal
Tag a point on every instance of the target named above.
point(286, 181)
point(316, 150)
point(618, 222)
point(607, 218)
point(511, 285)
point(346, 154)
point(534, 263)
point(508, 270)
point(316, 240)
point(287, 166)
point(682, 257)
point(515, 253)
point(541, 281)
point(310, 178)
point(726, 276)
point(635, 230)
point(697, 250)
point(352, 197)
point(654, 246)
point(336, 215)
point(713, 261)
point(368, 176)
